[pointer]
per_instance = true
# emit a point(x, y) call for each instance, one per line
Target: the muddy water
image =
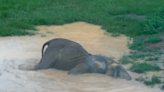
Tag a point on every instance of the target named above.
point(27, 50)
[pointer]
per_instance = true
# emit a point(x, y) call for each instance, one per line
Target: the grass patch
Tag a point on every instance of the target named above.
point(154, 80)
point(145, 67)
point(110, 14)
point(137, 55)
point(154, 39)
point(138, 44)
point(155, 22)
point(152, 26)
point(152, 59)
point(8, 31)
point(125, 60)
point(115, 34)
point(43, 35)
point(49, 32)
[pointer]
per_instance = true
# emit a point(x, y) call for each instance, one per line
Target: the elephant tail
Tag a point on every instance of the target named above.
point(47, 43)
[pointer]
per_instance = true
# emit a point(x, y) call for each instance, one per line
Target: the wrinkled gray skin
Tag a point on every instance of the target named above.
point(64, 54)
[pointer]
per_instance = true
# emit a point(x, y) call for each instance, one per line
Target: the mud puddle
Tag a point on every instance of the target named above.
point(27, 50)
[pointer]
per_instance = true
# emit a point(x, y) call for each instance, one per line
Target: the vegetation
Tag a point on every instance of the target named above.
point(135, 56)
point(155, 23)
point(154, 80)
point(152, 59)
point(145, 67)
point(125, 60)
point(43, 35)
point(113, 15)
point(154, 39)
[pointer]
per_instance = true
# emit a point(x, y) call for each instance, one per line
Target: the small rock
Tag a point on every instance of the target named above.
point(140, 78)
point(158, 64)
point(161, 87)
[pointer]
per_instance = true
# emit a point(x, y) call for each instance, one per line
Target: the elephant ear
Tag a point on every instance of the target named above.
point(116, 70)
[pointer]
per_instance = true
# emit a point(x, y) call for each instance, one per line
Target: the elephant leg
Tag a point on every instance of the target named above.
point(47, 61)
point(78, 69)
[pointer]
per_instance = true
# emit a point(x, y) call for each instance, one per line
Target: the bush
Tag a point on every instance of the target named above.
point(154, 23)
point(152, 59)
point(154, 39)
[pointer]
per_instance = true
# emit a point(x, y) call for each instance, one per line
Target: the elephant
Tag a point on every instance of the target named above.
point(64, 54)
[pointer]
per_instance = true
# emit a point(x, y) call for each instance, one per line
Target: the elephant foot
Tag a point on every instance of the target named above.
point(79, 69)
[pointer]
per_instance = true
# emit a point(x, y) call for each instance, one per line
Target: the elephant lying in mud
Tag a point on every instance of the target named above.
point(64, 54)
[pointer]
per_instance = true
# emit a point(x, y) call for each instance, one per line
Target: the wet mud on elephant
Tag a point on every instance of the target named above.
point(68, 55)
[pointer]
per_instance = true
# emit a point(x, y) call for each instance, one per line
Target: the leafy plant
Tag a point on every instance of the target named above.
point(155, 23)
point(154, 39)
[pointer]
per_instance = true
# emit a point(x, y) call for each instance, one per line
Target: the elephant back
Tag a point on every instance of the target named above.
point(67, 53)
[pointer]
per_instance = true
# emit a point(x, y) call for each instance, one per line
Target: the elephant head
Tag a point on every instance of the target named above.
point(105, 65)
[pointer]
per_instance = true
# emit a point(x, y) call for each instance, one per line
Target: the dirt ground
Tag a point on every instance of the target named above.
point(27, 50)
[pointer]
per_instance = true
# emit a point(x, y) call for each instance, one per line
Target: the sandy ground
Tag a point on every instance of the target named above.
point(27, 50)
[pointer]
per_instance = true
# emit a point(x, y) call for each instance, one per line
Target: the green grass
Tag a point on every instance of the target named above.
point(136, 55)
point(138, 43)
point(114, 34)
point(154, 39)
point(18, 15)
point(125, 60)
point(145, 67)
point(43, 35)
point(152, 59)
point(155, 22)
point(154, 80)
